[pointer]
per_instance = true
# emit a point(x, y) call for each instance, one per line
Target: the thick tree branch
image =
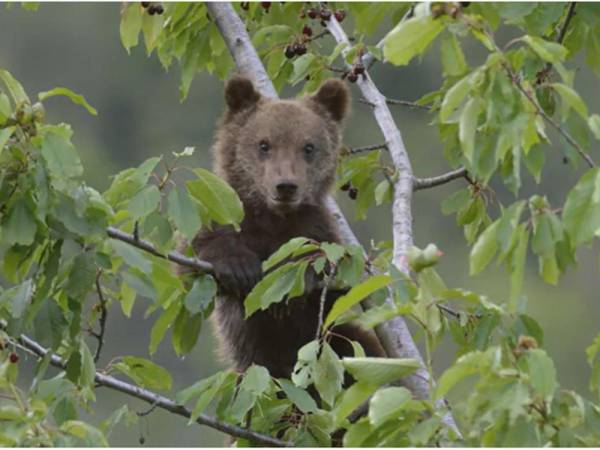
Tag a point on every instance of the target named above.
point(394, 334)
point(425, 183)
point(154, 399)
point(176, 257)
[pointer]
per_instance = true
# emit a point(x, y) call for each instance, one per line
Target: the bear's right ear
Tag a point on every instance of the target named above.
point(240, 94)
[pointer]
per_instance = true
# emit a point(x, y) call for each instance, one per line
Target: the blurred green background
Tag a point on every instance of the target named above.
point(140, 115)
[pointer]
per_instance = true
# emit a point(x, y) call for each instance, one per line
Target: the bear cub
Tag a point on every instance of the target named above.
point(280, 156)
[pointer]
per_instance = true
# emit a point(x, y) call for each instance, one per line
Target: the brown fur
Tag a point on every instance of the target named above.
point(273, 216)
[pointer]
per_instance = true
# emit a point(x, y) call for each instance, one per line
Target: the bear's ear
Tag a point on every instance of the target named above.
point(333, 95)
point(240, 94)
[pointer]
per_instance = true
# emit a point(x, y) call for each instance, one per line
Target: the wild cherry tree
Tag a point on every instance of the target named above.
point(69, 252)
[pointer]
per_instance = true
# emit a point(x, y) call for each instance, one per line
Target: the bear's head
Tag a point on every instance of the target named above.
point(281, 153)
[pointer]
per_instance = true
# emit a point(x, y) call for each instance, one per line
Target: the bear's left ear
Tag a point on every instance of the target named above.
point(333, 95)
point(240, 94)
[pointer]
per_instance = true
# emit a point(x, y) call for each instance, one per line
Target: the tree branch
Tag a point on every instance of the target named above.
point(156, 400)
point(367, 148)
point(176, 257)
point(517, 82)
point(394, 334)
point(391, 101)
point(103, 315)
point(426, 183)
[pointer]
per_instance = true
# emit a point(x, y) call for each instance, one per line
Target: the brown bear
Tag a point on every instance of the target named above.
point(280, 156)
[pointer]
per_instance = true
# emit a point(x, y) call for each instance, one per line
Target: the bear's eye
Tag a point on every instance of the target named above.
point(264, 147)
point(309, 149)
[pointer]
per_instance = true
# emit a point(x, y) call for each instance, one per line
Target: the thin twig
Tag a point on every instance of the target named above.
point(391, 101)
point(153, 398)
point(103, 315)
point(367, 148)
point(560, 37)
point(326, 279)
point(176, 257)
point(517, 82)
point(425, 183)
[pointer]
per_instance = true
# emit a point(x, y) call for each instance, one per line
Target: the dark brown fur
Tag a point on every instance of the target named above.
point(272, 217)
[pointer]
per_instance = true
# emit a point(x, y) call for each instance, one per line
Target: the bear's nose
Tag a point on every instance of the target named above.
point(287, 189)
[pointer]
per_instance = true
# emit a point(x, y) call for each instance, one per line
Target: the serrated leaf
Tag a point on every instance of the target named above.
point(162, 324)
point(387, 404)
point(466, 365)
point(468, 126)
point(273, 288)
point(302, 66)
point(144, 202)
point(581, 212)
point(201, 294)
point(380, 371)
point(19, 297)
point(484, 249)
point(256, 380)
point(453, 59)
point(220, 200)
point(298, 396)
point(542, 373)
point(145, 373)
point(410, 38)
point(551, 52)
point(61, 157)
point(283, 252)
point(572, 99)
point(355, 295)
point(184, 212)
point(20, 226)
point(328, 374)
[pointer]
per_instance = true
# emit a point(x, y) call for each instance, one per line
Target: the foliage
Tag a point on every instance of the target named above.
point(494, 118)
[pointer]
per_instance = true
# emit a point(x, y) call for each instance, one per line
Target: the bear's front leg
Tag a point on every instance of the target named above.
point(237, 268)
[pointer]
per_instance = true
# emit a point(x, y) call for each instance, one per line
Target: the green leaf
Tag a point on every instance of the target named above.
point(484, 249)
point(90, 435)
point(220, 200)
point(5, 134)
point(274, 287)
point(131, 25)
point(302, 67)
point(256, 380)
point(355, 295)
point(593, 350)
point(380, 371)
point(387, 404)
point(19, 296)
point(132, 256)
point(581, 212)
point(61, 157)
point(201, 295)
point(456, 202)
point(75, 98)
point(144, 202)
point(468, 364)
point(542, 374)
point(453, 59)
point(572, 99)
point(145, 373)
point(468, 126)
point(20, 226)
point(333, 251)
point(594, 124)
point(410, 38)
point(551, 52)
point(351, 399)
point(14, 88)
point(162, 324)
point(184, 212)
point(186, 331)
point(88, 368)
point(128, 182)
point(283, 252)
point(298, 396)
point(127, 297)
point(328, 374)
point(517, 267)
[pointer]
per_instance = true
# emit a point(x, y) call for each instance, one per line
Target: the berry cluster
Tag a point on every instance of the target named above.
point(352, 191)
point(352, 75)
point(298, 48)
point(153, 8)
